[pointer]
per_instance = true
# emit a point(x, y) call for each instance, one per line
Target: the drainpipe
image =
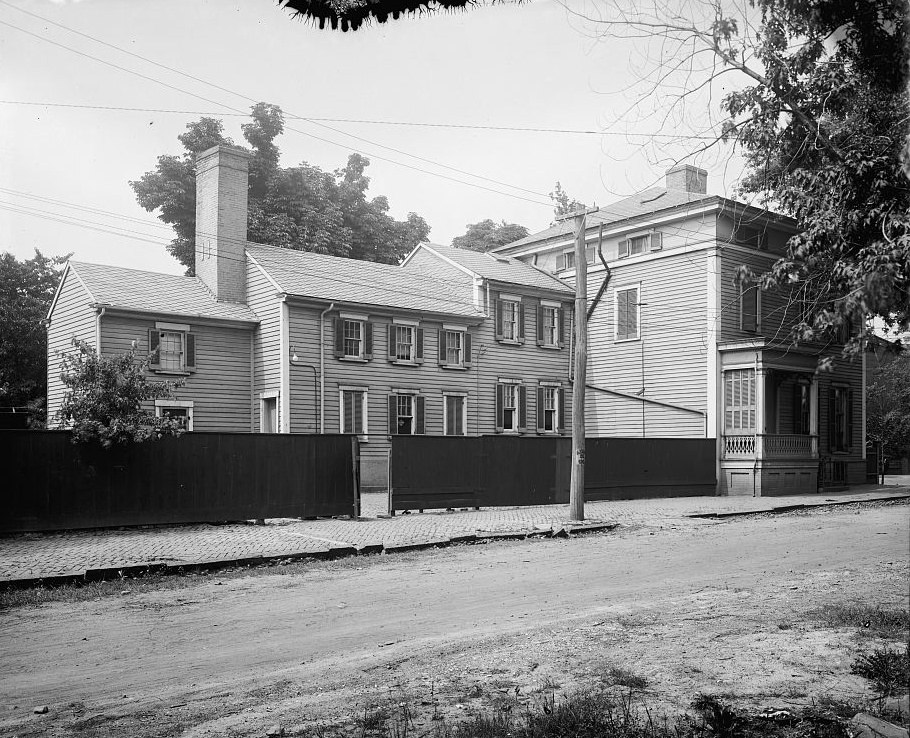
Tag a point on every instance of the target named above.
point(603, 286)
point(98, 318)
point(322, 367)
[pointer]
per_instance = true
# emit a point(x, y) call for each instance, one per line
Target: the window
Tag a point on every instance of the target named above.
point(510, 319)
point(568, 260)
point(840, 419)
point(749, 307)
point(627, 312)
point(549, 325)
point(455, 416)
point(405, 344)
point(406, 414)
point(179, 410)
point(268, 413)
point(550, 418)
point(353, 413)
point(652, 241)
point(739, 400)
point(801, 404)
point(454, 347)
point(353, 338)
point(172, 349)
point(510, 407)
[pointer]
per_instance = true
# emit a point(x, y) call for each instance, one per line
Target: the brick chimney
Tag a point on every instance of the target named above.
point(222, 180)
point(687, 178)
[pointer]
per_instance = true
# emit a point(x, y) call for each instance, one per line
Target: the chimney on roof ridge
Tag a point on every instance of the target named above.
point(222, 183)
point(687, 178)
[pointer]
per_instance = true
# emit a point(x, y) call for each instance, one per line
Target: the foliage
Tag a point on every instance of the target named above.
point(562, 203)
point(872, 619)
point(301, 207)
point(888, 407)
point(106, 395)
point(487, 235)
point(889, 671)
point(26, 291)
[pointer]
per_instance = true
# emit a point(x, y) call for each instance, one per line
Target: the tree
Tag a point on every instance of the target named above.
point(488, 234)
point(820, 115)
point(888, 407)
point(562, 204)
point(106, 398)
point(302, 208)
point(26, 290)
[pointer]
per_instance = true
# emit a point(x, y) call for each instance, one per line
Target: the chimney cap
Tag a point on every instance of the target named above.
point(225, 149)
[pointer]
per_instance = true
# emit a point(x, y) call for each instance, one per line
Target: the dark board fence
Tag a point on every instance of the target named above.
point(52, 484)
point(428, 472)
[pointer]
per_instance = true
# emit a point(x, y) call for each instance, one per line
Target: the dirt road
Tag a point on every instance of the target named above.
point(698, 607)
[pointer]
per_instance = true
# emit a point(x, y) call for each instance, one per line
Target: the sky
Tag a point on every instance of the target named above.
point(66, 162)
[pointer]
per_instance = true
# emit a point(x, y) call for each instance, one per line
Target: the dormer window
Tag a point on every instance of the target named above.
point(640, 244)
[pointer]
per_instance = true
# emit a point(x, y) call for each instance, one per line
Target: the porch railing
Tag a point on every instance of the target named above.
point(771, 446)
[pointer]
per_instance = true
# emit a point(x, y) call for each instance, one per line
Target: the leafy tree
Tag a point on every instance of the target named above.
point(888, 407)
point(26, 290)
point(106, 397)
point(820, 113)
point(488, 234)
point(301, 207)
point(562, 203)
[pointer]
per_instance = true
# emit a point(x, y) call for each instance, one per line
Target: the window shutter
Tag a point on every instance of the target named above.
point(467, 349)
point(539, 325)
point(831, 421)
point(190, 355)
point(418, 345)
point(561, 409)
point(419, 408)
point(441, 346)
point(367, 340)
point(390, 331)
point(849, 420)
point(798, 409)
point(499, 408)
point(522, 409)
point(623, 248)
point(541, 414)
point(657, 240)
point(497, 309)
point(748, 307)
point(521, 321)
point(154, 338)
point(338, 327)
point(622, 315)
point(559, 327)
point(393, 414)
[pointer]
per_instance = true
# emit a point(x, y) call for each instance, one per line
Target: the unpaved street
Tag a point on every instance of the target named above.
point(697, 607)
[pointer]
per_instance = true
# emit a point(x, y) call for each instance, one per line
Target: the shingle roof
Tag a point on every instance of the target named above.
point(153, 292)
point(648, 202)
point(339, 280)
point(500, 268)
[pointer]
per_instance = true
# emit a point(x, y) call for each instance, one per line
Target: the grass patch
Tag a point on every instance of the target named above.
point(889, 671)
point(872, 621)
point(626, 678)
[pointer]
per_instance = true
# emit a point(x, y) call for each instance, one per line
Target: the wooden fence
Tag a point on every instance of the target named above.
point(52, 484)
point(429, 472)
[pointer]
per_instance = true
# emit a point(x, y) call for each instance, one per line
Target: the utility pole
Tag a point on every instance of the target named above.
point(577, 486)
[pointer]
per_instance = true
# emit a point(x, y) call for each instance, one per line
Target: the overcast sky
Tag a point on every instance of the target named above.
point(532, 65)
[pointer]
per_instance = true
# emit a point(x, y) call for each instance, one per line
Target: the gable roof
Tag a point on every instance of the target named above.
point(647, 202)
point(500, 268)
point(335, 279)
point(139, 291)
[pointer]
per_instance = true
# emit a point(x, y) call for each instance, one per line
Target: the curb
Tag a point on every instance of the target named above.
point(336, 552)
point(790, 508)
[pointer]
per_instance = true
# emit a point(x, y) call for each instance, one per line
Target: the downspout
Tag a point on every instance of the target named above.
point(603, 286)
point(252, 381)
point(98, 318)
point(322, 366)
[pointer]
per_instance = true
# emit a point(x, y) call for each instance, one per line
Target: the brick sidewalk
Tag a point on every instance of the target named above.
point(79, 554)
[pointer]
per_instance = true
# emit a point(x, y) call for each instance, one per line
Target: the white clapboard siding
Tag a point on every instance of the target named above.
point(263, 300)
point(72, 318)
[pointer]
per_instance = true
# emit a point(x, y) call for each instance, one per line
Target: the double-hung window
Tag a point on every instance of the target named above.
point(840, 419)
point(405, 343)
point(454, 414)
point(549, 325)
point(749, 307)
point(353, 338)
point(640, 244)
point(510, 319)
point(406, 413)
point(739, 401)
point(550, 409)
point(454, 344)
point(511, 411)
point(172, 348)
point(353, 410)
point(627, 314)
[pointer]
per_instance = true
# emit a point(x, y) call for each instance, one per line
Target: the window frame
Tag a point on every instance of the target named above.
point(651, 240)
point(519, 410)
point(187, 354)
point(415, 342)
point(744, 288)
point(187, 405)
point(558, 409)
point(840, 419)
point(617, 338)
point(515, 301)
point(340, 338)
point(557, 326)
point(734, 378)
point(446, 396)
point(364, 433)
point(266, 397)
point(418, 412)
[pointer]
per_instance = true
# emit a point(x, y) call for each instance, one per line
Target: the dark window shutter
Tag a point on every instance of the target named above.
point(849, 420)
point(338, 327)
point(393, 414)
point(540, 325)
point(468, 358)
point(832, 424)
point(521, 321)
point(657, 241)
point(367, 340)
point(441, 341)
point(418, 345)
point(541, 415)
point(560, 335)
point(522, 408)
point(419, 413)
point(390, 331)
point(190, 355)
point(561, 409)
point(798, 409)
point(499, 408)
point(623, 248)
point(154, 338)
point(748, 308)
point(497, 318)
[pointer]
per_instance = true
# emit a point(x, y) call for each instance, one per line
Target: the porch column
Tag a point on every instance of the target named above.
point(759, 410)
point(813, 414)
